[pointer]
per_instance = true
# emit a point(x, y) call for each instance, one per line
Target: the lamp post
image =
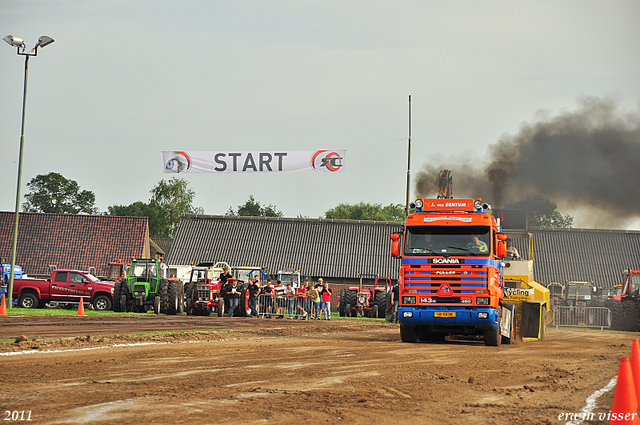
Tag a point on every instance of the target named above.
point(406, 208)
point(22, 50)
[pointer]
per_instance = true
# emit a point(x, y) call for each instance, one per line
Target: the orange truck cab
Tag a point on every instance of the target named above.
point(451, 277)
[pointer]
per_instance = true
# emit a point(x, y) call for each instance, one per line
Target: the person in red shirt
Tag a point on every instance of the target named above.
point(326, 299)
point(301, 300)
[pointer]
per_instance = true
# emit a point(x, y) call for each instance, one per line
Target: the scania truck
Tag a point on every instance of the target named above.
point(451, 277)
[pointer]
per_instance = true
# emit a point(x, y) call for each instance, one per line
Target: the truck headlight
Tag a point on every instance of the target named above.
point(483, 315)
point(482, 300)
point(408, 300)
point(407, 314)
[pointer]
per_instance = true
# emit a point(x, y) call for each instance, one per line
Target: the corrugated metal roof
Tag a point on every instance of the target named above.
point(582, 254)
point(345, 248)
point(318, 247)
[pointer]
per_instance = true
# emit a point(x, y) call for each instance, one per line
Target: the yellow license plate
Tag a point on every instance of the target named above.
point(445, 314)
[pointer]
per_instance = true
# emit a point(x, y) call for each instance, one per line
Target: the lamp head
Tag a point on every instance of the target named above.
point(44, 41)
point(14, 41)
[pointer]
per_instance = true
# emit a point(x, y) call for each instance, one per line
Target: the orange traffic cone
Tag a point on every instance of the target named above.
point(3, 307)
point(635, 366)
point(625, 403)
point(81, 308)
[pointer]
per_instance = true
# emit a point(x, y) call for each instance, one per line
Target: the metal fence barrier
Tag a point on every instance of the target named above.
point(282, 307)
point(585, 317)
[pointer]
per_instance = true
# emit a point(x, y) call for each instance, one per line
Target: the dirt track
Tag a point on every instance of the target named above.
point(281, 371)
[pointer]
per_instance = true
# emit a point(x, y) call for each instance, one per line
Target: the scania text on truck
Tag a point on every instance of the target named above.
point(451, 276)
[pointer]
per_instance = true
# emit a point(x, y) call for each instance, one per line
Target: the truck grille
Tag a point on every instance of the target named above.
point(203, 293)
point(463, 282)
point(139, 289)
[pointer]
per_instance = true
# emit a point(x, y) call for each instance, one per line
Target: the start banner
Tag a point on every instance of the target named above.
point(319, 161)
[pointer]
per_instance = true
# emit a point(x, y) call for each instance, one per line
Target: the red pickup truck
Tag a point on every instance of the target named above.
point(64, 287)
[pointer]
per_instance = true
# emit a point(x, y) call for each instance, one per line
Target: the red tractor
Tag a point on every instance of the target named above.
point(624, 308)
point(368, 301)
point(202, 293)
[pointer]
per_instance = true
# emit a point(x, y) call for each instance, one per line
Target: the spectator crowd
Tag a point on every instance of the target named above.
point(309, 301)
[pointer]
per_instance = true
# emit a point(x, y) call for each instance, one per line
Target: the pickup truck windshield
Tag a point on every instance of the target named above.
point(92, 277)
point(448, 240)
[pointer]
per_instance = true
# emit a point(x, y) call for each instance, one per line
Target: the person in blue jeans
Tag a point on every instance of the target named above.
point(317, 303)
point(395, 300)
point(233, 294)
point(290, 296)
point(254, 289)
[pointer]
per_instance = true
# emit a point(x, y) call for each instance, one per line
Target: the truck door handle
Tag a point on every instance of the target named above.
point(72, 286)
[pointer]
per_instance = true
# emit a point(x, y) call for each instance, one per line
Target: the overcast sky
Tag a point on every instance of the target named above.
point(125, 80)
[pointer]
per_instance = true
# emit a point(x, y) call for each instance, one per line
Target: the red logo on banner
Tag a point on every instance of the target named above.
point(331, 160)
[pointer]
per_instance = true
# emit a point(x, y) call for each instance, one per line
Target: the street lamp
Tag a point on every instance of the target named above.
point(22, 50)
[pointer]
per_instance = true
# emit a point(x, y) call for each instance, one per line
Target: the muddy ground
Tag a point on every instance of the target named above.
point(232, 370)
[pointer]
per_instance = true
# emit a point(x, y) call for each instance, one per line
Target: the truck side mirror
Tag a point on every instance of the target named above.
point(501, 248)
point(395, 244)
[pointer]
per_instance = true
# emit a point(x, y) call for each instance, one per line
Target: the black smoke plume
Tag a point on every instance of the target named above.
point(587, 160)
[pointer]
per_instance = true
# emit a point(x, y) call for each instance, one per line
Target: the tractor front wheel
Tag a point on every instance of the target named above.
point(631, 316)
point(123, 303)
point(381, 304)
point(343, 302)
point(156, 305)
point(618, 314)
point(117, 291)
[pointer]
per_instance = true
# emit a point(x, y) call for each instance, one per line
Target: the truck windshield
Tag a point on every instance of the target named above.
point(635, 283)
point(447, 240)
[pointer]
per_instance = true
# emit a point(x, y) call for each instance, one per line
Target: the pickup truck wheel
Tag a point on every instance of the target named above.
point(28, 300)
point(102, 303)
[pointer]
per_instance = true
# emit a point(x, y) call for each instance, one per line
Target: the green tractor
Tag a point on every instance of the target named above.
point(147, 287)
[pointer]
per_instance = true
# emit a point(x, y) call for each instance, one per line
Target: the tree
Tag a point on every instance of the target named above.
point(542, 212)
point(252, 208)
point(53, 193)
point(363, 211)
point(169, 200)
point(137, 209)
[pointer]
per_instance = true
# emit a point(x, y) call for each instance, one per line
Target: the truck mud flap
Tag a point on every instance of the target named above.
point(532, 320)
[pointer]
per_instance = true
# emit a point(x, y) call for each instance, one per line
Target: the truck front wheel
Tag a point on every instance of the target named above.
point(492, 338)
point(28, 300)
point(408, 334)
